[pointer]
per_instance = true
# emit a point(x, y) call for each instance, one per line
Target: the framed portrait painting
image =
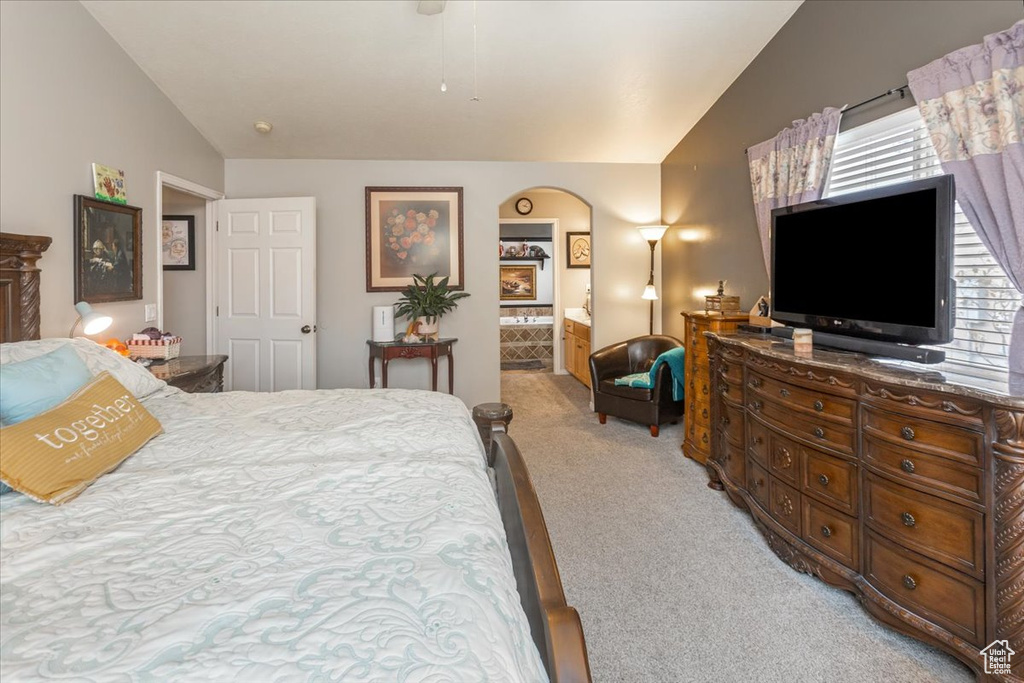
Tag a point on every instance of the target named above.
point(108, 251)
point(517, 283)
point(577, 249)
point(178, 235)
point(413, 230)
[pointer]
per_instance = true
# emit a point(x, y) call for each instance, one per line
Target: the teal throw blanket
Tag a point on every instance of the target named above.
point(645, 380)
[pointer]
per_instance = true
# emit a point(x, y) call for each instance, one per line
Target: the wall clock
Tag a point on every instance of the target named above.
point(523, 206)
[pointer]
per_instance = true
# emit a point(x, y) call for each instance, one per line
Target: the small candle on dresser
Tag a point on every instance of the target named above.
point(803, 342)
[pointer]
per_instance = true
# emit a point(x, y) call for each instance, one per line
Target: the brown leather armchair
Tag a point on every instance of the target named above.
point(652, 407)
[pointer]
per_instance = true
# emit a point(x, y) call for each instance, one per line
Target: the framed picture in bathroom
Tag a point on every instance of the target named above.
point(517, 283)
point(577, 249)
point(413, 230)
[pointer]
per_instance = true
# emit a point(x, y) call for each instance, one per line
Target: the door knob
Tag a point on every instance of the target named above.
point(306, 329)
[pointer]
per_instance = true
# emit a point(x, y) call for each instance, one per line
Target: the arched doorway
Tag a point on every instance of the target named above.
point(544, 294)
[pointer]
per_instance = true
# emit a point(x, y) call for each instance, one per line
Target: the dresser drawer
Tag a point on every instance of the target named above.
point(830, 479)
point(936, 438)
point(928, 405)
point(807, 401)
point(732, 423)
point(948, 598)
point(784, 505)
point(948, 476)
point(783, 458)
point(731, 371)
point(757, 441)
point(568, 326)
point(700, 386)
point(831, 532)
point(734, 463)
point(757, 483)
point(944, 531)
point(819, 432)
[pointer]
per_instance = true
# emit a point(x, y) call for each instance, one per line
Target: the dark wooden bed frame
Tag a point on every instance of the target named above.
point(555, 626)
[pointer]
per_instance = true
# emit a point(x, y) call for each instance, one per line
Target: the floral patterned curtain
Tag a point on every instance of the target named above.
point(791, 168)
point(972, 102)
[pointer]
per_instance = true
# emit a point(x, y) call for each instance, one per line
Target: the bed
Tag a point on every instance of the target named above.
point(327, 535)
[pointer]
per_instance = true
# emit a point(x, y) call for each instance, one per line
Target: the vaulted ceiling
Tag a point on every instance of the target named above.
point(603, 81)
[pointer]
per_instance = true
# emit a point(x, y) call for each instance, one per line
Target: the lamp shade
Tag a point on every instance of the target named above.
point(92, 322)
point(650, 293)
point(652, 233)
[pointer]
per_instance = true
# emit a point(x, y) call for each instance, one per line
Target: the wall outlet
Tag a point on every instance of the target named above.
point(150, 312)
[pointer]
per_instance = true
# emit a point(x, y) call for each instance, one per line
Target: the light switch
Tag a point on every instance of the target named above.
point(150, 312)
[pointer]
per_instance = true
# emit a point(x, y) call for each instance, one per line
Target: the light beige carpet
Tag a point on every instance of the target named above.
point(672, 581)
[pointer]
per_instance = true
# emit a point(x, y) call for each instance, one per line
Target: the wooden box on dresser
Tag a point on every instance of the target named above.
point(697, 418)
point(903, 486)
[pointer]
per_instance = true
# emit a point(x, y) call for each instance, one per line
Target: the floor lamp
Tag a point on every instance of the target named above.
point(651, 233)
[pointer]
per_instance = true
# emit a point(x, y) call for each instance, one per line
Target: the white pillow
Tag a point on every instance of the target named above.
point(136, 379)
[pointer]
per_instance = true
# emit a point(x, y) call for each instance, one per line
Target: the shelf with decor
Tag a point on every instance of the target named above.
point(526, 258)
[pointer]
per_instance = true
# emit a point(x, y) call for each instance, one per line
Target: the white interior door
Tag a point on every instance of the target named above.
point(266, 292)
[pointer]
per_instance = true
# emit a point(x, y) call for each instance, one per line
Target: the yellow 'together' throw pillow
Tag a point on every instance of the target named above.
point(57, 454)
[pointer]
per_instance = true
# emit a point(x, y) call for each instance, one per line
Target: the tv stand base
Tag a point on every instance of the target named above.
point(870, 347)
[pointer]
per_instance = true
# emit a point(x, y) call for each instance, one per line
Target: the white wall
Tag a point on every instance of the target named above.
point(185, 290)
point(622, 195)
point(70, 96)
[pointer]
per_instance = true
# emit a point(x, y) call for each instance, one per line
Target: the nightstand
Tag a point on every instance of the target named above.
point(194, 374)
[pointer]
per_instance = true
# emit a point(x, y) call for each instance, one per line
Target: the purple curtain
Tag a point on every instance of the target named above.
point(791, 168)
point(972, 102)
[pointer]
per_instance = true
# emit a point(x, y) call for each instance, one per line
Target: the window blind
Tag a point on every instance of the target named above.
point(897, 149)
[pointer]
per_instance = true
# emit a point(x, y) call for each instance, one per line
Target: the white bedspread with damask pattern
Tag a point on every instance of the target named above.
point(344, 535)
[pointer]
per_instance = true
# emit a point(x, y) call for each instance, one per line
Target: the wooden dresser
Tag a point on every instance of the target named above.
point(903, 486)
point(696, 419)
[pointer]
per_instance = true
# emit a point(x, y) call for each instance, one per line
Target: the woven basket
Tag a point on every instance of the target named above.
point(154, 348)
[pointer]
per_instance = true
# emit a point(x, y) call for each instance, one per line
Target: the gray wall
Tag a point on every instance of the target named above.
point(70, 96)
point(622, 195)
point(830, 53)
point(185, 290)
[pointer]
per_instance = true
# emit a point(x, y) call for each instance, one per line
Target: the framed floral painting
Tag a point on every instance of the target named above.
point(178, 234)
point(108, 251)
point(413, 230)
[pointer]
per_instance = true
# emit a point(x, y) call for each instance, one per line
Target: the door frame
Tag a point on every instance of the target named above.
point(164, 180)
point(557, 362)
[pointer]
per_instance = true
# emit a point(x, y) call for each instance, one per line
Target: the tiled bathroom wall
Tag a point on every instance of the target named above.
point(520, 343)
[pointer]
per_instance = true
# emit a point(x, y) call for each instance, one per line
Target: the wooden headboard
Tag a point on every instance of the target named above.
point(19, 285)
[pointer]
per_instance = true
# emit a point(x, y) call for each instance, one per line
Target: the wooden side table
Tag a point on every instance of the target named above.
point(387, 351)
point(194, 374)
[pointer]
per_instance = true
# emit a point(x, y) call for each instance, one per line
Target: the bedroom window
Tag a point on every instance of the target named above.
point(897, 149)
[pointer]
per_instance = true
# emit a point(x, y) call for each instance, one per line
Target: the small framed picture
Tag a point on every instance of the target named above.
point(108, 251)
point(179, 242)
point(577, 249)
point(413, 231)
point(517, 283)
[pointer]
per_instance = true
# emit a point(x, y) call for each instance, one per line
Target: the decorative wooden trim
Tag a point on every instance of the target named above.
point(1008, 513)
point(945, 405)
point(19, 285)
point(793, 371)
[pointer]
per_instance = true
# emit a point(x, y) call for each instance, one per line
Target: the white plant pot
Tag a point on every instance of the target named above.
point(428, 330)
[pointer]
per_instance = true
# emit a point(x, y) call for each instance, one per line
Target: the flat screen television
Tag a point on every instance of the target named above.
point(874, 264)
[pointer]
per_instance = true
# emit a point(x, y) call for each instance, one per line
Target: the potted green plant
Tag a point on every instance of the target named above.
point(424, 302)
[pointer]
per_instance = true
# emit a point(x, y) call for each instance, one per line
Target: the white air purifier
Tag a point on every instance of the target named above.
point(383, 323)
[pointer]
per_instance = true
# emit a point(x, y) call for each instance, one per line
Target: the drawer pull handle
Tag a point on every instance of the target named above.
point(908, 582)
point(725, 368)
point(823, 478)
point(704, 437)
point(705, 414)
point(826, 531)
point(723, 388)
point(754, 383)
point(725, 418)
point(756, 441)
point(819, 406)
point(907, 433)
point(819, 432)
point(783, 392)
point(755, 405)
point(907, 465)
point(694, 342)
point(908, 519)
point(704, 389)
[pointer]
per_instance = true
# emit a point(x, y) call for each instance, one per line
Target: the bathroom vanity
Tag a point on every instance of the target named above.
point(576, 335)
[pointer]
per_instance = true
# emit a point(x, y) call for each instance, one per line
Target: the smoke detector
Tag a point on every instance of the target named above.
point(429, 7)
point(263, 127)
